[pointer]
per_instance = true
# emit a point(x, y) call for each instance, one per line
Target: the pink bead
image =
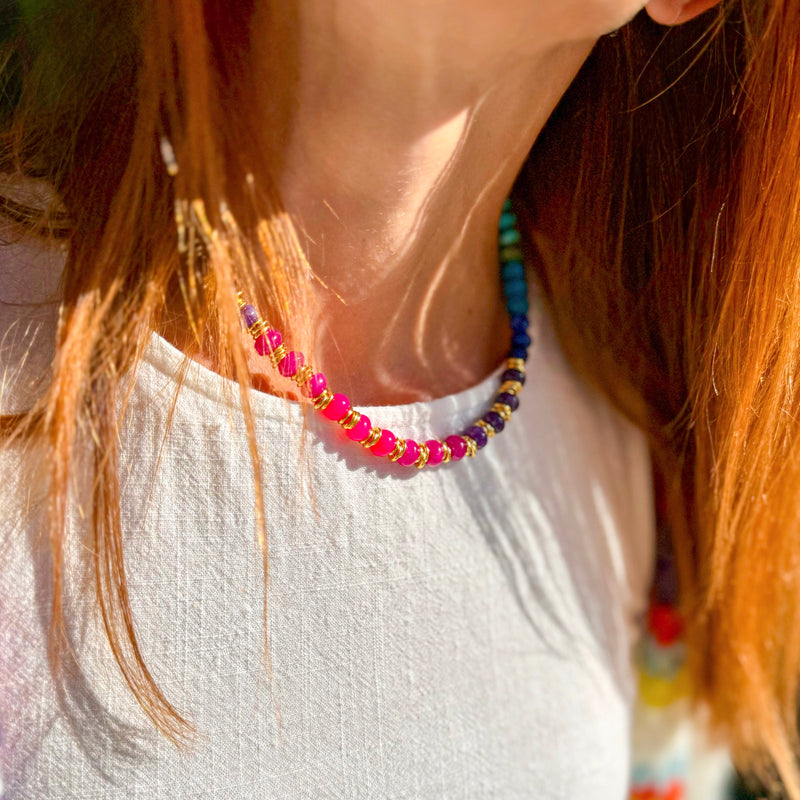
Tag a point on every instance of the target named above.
point(385, 444)
point(316, 385)
point(458, 447)
point(262, 345)
point(268, 341)
point(360, 430)
point(435, 452)
point(337, 408)
point(411, 454)
point(290, 363)
point(274, 338)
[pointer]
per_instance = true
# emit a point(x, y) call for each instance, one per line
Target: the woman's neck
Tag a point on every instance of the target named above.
point(396, 139)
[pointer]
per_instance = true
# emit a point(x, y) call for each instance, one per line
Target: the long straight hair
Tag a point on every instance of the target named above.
point(662, 210)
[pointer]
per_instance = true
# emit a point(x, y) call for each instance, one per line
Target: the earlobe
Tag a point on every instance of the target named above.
point(674, 12)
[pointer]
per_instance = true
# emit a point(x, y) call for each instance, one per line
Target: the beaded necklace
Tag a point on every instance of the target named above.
point(381, 442)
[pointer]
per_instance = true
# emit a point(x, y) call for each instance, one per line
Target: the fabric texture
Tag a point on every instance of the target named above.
point(459, 632)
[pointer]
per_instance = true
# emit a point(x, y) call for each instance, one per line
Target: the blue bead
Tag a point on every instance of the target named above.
point(518, 305)
point(512, 270)
point(520, 340)
point(495, 420)
point(513, 375)
point(250, 315)
point(518, 352)
point(510, 400)
point(519, 323)
point(516, 288)
point(507, 205)
point(478, 435)
point(509, 237)
point(507, 220)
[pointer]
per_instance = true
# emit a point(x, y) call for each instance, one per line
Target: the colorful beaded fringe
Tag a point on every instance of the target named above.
point(382, 442)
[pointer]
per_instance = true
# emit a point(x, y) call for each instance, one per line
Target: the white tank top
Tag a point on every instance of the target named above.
point(463, 631)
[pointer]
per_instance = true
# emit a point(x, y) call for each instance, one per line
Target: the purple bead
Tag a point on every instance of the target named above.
point(250, 315)
point(510, 400)
point(495, 420)
point(514, 375)
point(478, 435)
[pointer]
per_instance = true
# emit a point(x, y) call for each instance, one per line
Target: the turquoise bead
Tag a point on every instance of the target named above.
point(512, 270)
point(516, 288)
point(518, 305)
point(507, 220)
point(509, 237)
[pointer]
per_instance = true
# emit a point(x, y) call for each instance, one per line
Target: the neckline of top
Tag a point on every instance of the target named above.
point(174, 365)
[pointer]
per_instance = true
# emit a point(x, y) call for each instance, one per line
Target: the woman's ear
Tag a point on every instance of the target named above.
point(673, 12)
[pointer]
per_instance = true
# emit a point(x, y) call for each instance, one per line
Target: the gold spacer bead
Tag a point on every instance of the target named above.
point(323, 400)
point(303, 374)
point(490, 431)
point(350, 419)
point(516, 363)
point(422, 458)
point(277, 355)
point(503, 410)
point(240, 301)
point(399, 449)
point(257, 328)
point(511, 387)
point(472, 447)
point(372, 438)
point(447, 453)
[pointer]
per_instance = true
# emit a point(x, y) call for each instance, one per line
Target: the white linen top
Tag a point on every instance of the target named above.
point(463, 631)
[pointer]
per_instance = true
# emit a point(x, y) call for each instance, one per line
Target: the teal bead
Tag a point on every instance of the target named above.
point(512, 270)
point(516, 288)
point(509, 237)
point(507, 220)
point(518, 305)
point(507, 205)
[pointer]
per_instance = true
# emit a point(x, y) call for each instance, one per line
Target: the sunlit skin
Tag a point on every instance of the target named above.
point(399, 132)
